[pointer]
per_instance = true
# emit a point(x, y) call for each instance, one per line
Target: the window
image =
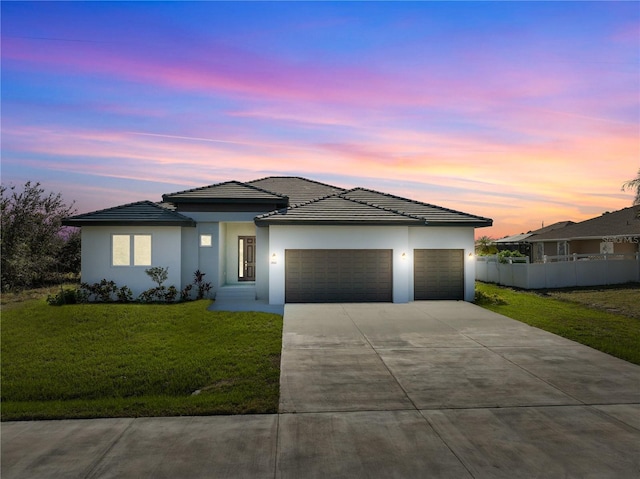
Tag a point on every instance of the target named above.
point(606, 247)
point(563, 248)
point(131, 249)
point(206, 241)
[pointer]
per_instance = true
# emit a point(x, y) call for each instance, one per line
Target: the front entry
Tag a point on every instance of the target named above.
point(246, 258)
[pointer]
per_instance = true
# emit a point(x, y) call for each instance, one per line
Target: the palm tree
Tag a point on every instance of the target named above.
point(633, 185)
point(485, 246)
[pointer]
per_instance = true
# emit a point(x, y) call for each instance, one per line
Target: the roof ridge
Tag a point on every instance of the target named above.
point(294, 206)
point(339, 195)
point(417, 202)
point(199, 188)
point(299, 178)
point(121, 209)
point(373, 205)
point(263, 190)
point(229, 182)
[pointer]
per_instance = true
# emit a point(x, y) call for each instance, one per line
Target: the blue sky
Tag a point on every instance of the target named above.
point(522, 112)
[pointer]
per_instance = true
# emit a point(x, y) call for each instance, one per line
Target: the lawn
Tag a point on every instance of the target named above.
point(613, 333)
point(623, 299)
point(114, 360)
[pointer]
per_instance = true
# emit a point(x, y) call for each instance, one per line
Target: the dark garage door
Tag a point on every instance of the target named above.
point(338, 276)
point(438, 274)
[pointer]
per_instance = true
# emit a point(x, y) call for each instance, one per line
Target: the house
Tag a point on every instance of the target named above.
point(286, 239)
point(599, 251)
point(520, 241)
point(615, 233)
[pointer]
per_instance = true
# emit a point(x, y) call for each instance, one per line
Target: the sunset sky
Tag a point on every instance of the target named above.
point(521, 112)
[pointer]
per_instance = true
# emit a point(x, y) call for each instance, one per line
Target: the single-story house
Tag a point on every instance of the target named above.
point(287, 239)
point(520, 242)
point(615, 233)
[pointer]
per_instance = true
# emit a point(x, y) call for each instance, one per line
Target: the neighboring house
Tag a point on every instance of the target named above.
point(616, 233)
point(287, 239)
point(520, 242)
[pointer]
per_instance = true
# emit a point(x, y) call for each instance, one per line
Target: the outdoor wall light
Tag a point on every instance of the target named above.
point(403, 256)
point(274, 259)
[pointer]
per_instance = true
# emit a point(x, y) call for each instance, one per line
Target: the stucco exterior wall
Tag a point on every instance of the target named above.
point(203, 258)
point(166, 243)
point(401, 239)
point(262, 262)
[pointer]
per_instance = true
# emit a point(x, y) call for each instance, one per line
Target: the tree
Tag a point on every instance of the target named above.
point(633, 185)
point(485, 246)
point(32, 236)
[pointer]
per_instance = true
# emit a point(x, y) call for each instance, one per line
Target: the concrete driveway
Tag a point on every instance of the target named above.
point(426, 389)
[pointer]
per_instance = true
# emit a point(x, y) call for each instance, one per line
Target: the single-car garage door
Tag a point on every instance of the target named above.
point(338, 275)
point(438, 274)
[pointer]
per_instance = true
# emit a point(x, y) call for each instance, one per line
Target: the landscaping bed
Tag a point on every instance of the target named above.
point(129, 360)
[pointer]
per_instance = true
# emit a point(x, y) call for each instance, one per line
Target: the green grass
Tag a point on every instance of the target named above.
point(113, 360)
point(624, 299)
point(615, 334)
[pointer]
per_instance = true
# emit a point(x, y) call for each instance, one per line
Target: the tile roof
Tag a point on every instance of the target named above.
point(433, 215)
point(618, 223)
point(142, 212)
point(299, 190)
point(301, 201)
point(523, 236)
point(227, 192)
point(337, 210)
point(362, 206)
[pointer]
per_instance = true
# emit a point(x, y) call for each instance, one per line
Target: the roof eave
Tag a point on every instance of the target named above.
point(473, 224)
point(88, 222)
point(350, 222)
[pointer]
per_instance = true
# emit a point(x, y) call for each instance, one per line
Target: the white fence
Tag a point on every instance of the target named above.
point(560, 272)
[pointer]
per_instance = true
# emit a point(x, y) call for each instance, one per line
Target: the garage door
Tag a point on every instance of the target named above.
point(338, 276)
point(438, 274)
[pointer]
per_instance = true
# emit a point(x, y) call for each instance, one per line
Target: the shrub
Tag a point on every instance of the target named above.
point(503, 256)
point(158, 274)
point(485, 298)
point(101, 291)
point(185, 294)
point(124, 295)
point(202, 287)
point(152, 295)
point(171, 294)
point(66, 296)
point(159, 294)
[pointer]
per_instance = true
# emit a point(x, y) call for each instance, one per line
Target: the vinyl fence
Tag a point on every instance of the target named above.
point(560, 271)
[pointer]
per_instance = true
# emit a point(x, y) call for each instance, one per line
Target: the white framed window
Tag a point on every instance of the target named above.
point(206, 241)
point(128, 250)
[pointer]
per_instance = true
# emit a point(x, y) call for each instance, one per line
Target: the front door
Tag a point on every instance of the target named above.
point(246, 258)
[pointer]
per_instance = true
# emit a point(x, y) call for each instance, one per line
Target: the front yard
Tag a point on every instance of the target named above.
point(110, 360)
point(605, 319)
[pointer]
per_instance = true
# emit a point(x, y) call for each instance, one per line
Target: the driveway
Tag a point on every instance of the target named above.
point(426, 389)
point(448, 389)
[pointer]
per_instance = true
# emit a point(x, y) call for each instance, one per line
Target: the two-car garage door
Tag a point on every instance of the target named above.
point(350, 275)
point(338, 275)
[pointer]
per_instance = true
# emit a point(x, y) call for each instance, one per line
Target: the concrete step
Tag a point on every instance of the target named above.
point(236, 293)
